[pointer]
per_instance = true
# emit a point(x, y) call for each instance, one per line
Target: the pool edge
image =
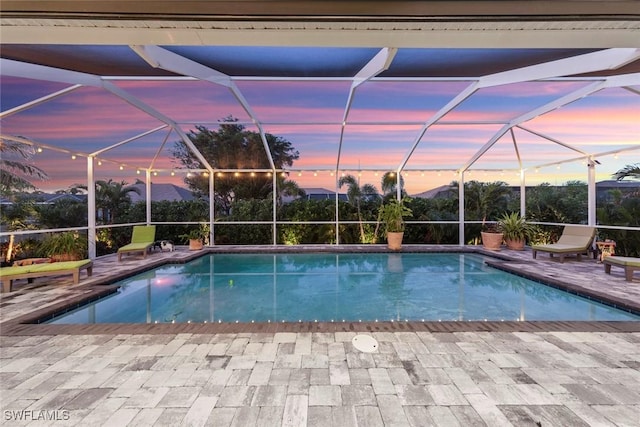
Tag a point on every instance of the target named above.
point(27, 324)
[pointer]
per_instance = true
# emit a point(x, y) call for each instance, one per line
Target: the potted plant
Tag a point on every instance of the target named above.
point(65, 246)
point(515, 230)
point(391, 214)
point(197, 237)
point(491, 236)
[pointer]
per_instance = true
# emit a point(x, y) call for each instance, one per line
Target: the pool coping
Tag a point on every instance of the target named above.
point(26, 324)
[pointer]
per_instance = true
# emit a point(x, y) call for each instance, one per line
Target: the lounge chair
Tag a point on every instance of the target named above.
point(142, 239)
point(9, 274)
point(575, 240)
point(629, 264)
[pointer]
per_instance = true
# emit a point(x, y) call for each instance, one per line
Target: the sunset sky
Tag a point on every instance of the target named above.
point(382, 126)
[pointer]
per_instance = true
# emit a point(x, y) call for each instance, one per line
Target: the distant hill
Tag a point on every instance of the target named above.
point(162, 192)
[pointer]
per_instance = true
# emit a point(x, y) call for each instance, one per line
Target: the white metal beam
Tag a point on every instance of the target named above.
point(379, 63)
point(596, 61)
point(158, 57)
point(548, 138)
point(38, 101)
point(133, 138)
point(466, 93)
point(115, 90)
point(159, 150)
point(550, 106)
point(623, 80)
point(48, 74)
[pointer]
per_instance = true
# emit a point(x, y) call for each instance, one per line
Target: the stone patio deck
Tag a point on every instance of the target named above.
point(458, 373)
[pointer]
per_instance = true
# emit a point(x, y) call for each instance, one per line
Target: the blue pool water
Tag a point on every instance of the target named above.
point(335, 287)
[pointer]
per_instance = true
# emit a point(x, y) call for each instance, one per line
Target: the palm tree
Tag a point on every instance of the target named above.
point(287, 187)
point(389, 185)
point(356, 193)
point(13, 176)
point(629, 171)
point(111, 198)
point(14, 172)
point(486, 199)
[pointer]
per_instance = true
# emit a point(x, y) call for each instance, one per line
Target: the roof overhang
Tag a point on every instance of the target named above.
point(480, 23)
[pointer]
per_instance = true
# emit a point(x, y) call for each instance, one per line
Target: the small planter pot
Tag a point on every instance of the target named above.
point(491, 241)
point(515, 245)
point(195, 244)
point(394, 240)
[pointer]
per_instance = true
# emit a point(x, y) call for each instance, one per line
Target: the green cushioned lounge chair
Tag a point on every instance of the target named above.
point(142, 239)
point(629, 264)
point(9, 274)
point(575, 240)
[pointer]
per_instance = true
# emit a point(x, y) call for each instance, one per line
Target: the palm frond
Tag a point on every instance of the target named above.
point(629, 171)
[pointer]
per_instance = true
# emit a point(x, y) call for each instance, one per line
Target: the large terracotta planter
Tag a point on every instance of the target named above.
point(516, 245)
point(195, 244)
point(394, 240)
point(491, 241)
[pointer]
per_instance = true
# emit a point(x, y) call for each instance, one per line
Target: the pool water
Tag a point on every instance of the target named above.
point(335, 287)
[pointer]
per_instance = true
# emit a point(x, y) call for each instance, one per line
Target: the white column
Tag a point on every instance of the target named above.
point(591, 191)
point(148, 194)
point(212, 209)
point(91, 209)
point(461, 210)
point(523, 197)
point(337, 187)
point(274, 227)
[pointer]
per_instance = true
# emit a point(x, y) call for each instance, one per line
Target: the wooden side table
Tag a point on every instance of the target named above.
point(606, 248)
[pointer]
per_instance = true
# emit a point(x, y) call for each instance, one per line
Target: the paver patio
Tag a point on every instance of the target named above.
point(294, 375)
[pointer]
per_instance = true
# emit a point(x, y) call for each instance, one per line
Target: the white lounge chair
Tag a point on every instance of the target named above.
point(575, 240)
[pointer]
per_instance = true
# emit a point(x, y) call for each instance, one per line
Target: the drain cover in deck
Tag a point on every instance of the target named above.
point(365, 343)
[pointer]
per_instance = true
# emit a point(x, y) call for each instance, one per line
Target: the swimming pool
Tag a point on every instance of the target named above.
point(329, 287)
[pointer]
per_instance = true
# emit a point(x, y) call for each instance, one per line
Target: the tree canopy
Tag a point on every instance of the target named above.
point(232, 146)
point(15, 167)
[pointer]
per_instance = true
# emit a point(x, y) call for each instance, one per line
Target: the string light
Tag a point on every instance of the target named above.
point(39, 150)
point(99, 162)
point(220, 174)
point(121, 167)
point(173, 173)
point(138, 171)
point(155, 173)
point(73, 157)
